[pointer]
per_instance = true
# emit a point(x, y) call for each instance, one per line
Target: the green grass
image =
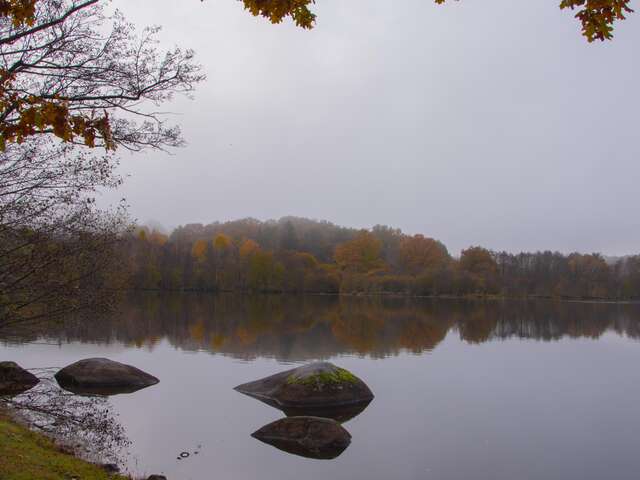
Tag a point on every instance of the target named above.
point(338, 376)
point(25, 455)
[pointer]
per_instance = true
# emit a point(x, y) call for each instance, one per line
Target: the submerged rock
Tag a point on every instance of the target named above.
point(101, 376)
point(310, 437)
point(316, 386)
point(15, 379)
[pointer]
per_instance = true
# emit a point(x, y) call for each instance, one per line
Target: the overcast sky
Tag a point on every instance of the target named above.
point(486, 122)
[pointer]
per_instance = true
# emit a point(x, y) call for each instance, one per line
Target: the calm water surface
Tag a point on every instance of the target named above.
point(464, 389)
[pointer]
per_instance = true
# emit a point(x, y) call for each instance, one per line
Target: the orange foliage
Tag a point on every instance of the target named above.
point(419, 253)
point(362, 254)
point(248, 248)
point(199, 250)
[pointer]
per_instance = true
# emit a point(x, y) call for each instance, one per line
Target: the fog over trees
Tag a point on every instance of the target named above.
point(301, 255)
point(78, 81)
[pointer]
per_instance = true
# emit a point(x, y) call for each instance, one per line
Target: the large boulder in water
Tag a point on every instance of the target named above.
point(101, 376)
point(310, 437)
point(315, 386)
point(15, 379)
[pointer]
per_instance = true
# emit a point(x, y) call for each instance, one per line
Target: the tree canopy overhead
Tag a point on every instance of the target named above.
point(596, 16)
point(69, 70)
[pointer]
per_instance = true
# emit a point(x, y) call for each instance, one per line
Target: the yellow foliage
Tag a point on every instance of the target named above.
point(248, 248)
point(276, 10)
point(597, 16)
point(199, 250)
point(221, 242)
point(36, 115)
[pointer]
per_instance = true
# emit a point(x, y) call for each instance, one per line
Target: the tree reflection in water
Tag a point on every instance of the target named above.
point(300, 328)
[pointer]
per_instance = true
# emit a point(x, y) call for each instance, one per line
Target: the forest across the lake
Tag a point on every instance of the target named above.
point(300, 255)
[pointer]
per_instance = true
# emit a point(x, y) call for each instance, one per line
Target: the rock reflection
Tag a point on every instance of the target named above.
point(99, 391)
point(340, 414)
point(299, 328)
point(309, 437)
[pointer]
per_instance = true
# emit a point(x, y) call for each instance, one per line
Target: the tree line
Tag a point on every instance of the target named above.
point(298, 255)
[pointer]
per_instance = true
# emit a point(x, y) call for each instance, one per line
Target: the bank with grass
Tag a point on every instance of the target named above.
point(27, 455)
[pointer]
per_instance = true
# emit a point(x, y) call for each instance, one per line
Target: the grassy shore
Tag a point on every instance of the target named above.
point(26, 455)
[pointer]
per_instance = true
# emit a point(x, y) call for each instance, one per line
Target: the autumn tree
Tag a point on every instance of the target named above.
point(199, 251)
point(390, 239)
point(480, 265)
point(72, 79)
point(248, 248)
point(629, 273)
point(221, 243)
point(288, 237)
point(588, 276)
point(304, 273)
point(222, 251)
point(419, 254)
point(265, 273)
point(360, 255)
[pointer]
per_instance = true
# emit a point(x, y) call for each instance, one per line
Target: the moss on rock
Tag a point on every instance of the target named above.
point(335, 377)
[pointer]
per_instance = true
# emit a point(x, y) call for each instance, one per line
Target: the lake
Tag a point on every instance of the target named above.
point(463, 389)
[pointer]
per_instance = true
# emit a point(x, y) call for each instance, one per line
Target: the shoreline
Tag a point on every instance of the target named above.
point(29, 455)
point(490, 297)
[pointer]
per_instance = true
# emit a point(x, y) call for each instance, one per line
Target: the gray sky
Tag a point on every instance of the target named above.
point(486, 122)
